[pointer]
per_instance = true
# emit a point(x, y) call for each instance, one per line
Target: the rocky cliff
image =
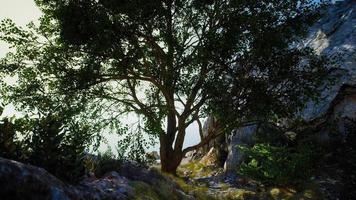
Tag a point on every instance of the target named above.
point(333, 35)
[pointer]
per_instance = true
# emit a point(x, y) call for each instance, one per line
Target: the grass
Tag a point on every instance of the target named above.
point(195, 169)
point(201, 191)
point(143, 191)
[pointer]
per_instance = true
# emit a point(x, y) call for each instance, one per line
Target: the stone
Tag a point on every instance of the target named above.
point(219, 144)
point(334, 35)
point(20, 181)
point(343, 108)
point(25, 182)
point(242, 136)
point(211, 158)
point(152, 155)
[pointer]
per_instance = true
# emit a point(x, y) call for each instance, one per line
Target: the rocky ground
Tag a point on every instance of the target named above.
point(19, 181)
point(203, 179)
point(199, 179)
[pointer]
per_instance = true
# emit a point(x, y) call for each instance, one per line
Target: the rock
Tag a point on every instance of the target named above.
point(161, 185)
point(19, 181)
point(242, 136)
point(192, 155)
point(209, 126)
point(219, 144)
point(211, 158)
point(110, 186)
point(340, 117)
point(334, 35)
point(343, 109)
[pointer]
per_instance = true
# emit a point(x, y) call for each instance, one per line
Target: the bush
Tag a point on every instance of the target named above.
point(58, 146)
point(278, 165)
point(102, 163)
point(52, 142)
point(9, 146)
point(106, 162)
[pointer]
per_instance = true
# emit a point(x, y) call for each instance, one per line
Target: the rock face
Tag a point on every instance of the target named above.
point(344, 109)
point(19, 181)
point(208, 127)
point(333, 35)
point(242, 136)
point(25, 182)
point(339, 118)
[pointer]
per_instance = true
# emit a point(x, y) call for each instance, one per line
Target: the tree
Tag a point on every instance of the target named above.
point(172, 61)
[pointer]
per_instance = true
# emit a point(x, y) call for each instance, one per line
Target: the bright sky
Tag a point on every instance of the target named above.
point(20, 11)
point(24, 11)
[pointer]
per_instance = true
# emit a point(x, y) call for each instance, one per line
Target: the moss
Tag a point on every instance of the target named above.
point(238, 194)
point(309, 192)
point(196, 169)
point(199, 192)
point(281, 193)
point(166, 190)
point(225, 192)
point(143, 191)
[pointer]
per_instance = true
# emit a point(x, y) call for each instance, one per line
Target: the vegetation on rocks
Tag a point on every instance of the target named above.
point(278, 165)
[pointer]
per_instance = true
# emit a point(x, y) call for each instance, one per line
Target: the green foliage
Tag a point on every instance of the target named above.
point(144, 191)
point(59, 147)
point(278, 165)
point(132, 147)
point(105, 162)
point(108, 58)
point(10, 146)
point(49, 142)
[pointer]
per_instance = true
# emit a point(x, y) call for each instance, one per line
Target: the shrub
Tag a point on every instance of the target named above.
point(59, 146)
point(132, 147)
point(277, 165)
point(52, 142)
point(103, 163)
point(9, 147)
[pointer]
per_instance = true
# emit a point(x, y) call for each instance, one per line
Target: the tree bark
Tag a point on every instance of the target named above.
point(170, 162)
point(170, 159)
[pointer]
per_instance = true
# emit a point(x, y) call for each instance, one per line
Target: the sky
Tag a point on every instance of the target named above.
point(24, 11)
point(20, 11)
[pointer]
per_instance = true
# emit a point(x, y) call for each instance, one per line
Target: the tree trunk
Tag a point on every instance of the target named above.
point(170, 157)
point(170, 161)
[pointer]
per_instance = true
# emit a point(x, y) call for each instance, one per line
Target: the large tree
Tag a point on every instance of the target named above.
point(172, 61)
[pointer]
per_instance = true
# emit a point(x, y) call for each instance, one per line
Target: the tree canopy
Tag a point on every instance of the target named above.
point(169, 61)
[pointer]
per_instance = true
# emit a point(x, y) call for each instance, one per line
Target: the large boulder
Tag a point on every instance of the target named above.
point(210, 126)
point(219, 145)
point(19, 181)
point(240, 137)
